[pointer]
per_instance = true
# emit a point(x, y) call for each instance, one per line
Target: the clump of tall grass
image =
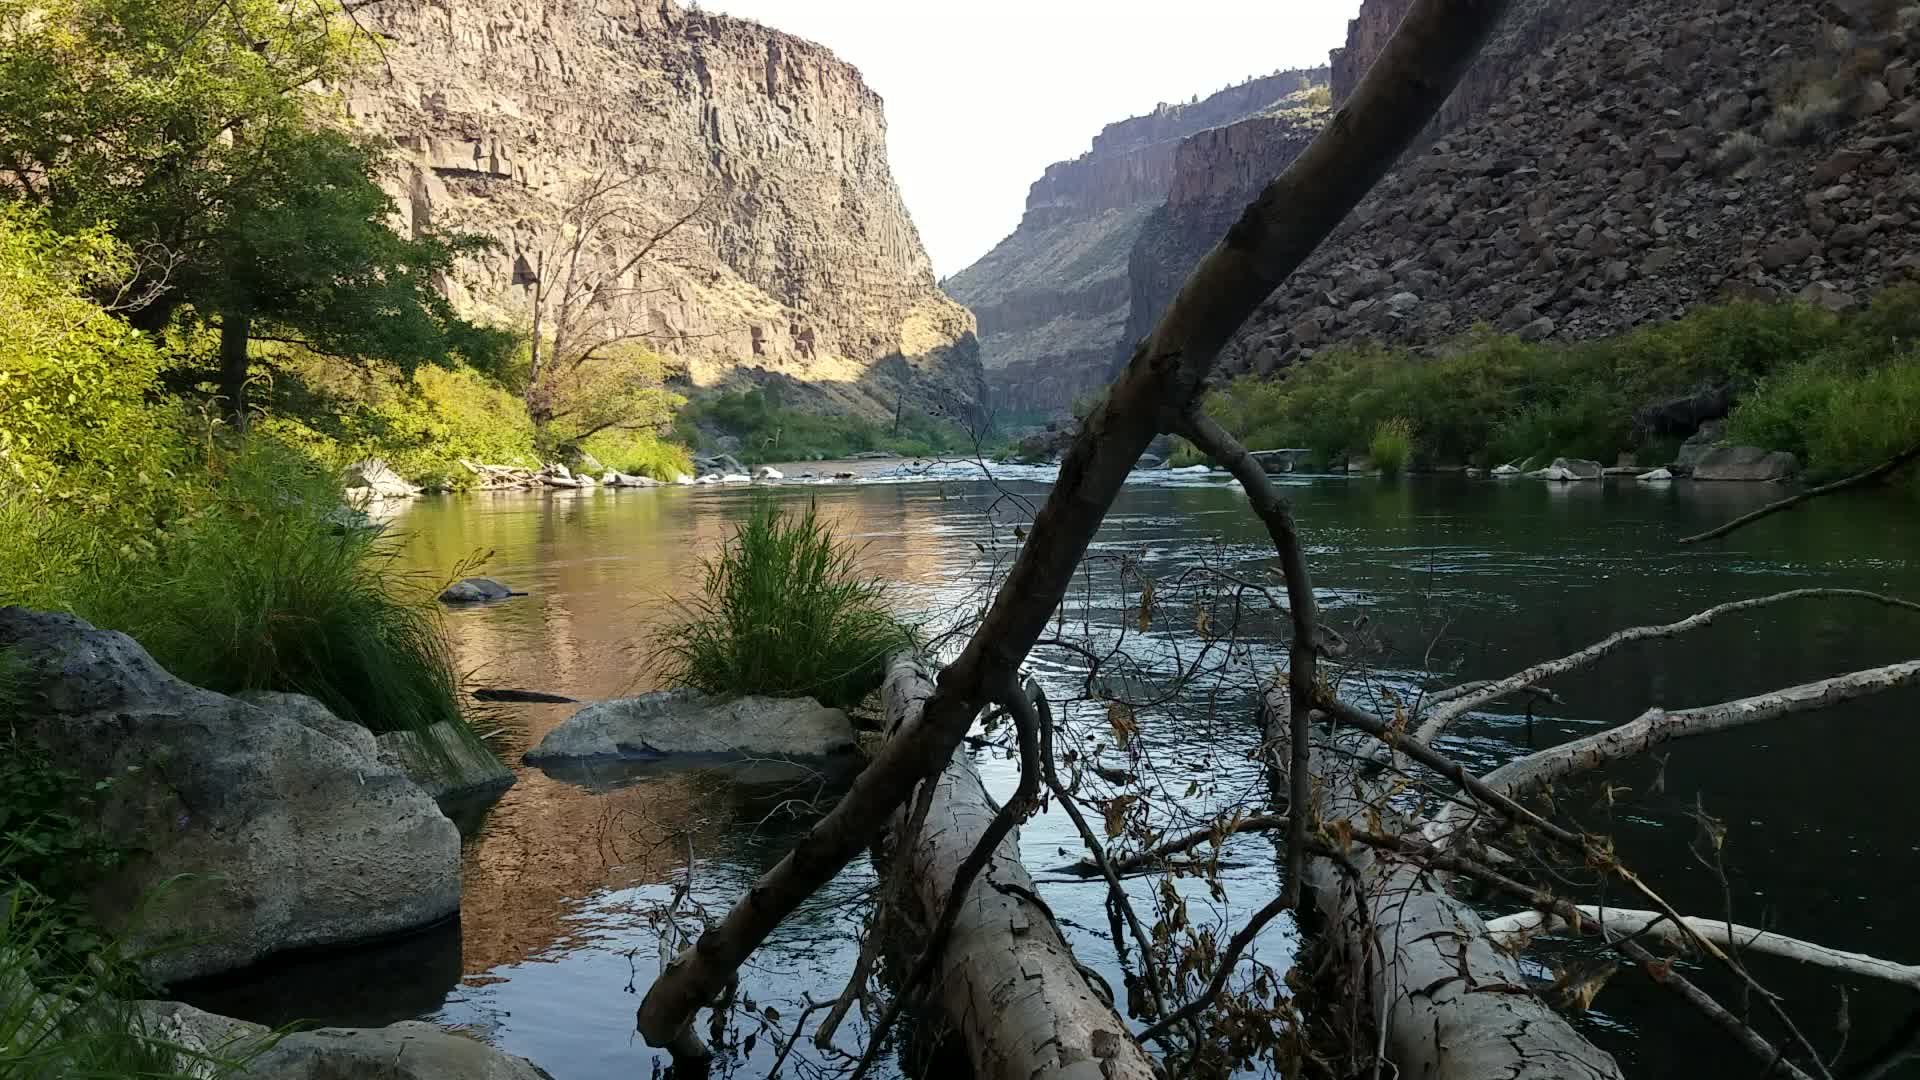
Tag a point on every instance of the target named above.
point(784, 610)
point(1391, 447)
point(266, 583)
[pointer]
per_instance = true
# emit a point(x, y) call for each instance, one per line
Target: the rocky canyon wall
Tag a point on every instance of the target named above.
point(1661, 154)
point(1215, 174)
point(1053, 298)
point(800, 264)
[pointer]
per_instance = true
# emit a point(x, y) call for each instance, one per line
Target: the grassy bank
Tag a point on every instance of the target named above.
point(1841, 391)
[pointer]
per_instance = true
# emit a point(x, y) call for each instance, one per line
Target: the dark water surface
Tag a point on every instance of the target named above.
point(1470, 579)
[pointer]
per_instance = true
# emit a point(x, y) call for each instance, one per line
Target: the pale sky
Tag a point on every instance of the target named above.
point(982, 96)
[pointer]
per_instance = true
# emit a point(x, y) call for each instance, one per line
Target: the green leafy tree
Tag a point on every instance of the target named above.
point(186, 126)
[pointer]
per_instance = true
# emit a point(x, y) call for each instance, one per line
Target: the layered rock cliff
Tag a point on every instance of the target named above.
point(1053, 298)
point(799, 262)
point(1660, 154)
point(1215, 174)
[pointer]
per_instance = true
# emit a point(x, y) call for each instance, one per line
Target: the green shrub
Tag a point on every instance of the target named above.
point(1391, 447)
point(784, 610)
point(1489, 398)
point(1837, 421)
point(267, 585)
point(768, 430)
point(422, 423)
point(640, 453)
point(72, 1015)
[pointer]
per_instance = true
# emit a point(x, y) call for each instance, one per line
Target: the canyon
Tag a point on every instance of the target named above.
point(796, 263)
point(1602, 165)
point(1057, 297)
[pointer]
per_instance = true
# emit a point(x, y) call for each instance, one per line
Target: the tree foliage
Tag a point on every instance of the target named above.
point(186, 127)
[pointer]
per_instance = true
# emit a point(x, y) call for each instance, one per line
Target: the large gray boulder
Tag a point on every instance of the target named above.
point(1747, 463)
point(292, 830)
point(667, 723)
point(1697, 445)
point(405, 1051)
point(374, 478)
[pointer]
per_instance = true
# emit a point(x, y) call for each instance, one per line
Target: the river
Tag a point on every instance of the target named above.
point(1465, 578)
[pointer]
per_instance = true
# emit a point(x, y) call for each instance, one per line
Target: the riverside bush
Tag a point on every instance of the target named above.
point(770, 431)
point(1392, 445)
point(785, 611)
point(72, 1015)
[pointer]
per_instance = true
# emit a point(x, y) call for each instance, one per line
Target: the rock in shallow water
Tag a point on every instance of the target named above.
point(681, 722)
point(294, 833)
point(476, 590)
point(1748, 463)
point(403, 1051)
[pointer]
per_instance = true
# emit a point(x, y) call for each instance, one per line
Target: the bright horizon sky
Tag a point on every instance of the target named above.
point(982, 97)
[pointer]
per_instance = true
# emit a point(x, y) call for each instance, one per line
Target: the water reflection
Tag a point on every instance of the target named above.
point(1475, 579)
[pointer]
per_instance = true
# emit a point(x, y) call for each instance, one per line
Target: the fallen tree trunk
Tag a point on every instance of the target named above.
point(1448, 1003)
point(1007, 984)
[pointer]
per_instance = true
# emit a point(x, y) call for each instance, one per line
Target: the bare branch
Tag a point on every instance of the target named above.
point(1215, 441)
point(1514, 931)
point(1656, 726)
point(1436, 721)
point(1890, 465)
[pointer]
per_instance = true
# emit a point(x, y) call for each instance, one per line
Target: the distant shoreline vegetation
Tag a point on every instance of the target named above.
point(1840, 391)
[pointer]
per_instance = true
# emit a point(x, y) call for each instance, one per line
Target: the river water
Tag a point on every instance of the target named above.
point(1437, 578)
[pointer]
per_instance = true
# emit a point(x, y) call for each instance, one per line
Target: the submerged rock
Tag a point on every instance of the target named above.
point(665, 723)
point(476, 590)
point(1748, 463)
point(409, 1050)
point(294, 834)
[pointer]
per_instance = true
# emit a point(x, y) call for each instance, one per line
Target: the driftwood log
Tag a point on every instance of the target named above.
point(1006, 983)
point(1449, 1003)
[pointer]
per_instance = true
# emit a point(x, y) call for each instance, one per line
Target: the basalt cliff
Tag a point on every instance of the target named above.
point(797, 262)
point(1104, 234)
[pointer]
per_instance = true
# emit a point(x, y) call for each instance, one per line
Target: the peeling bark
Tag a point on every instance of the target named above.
point(1450, 1005)
point(1007, 984)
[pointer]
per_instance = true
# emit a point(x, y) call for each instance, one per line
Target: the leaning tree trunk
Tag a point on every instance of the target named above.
point(1451, 1004)
point(1432, 47)
point(1007, 983)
